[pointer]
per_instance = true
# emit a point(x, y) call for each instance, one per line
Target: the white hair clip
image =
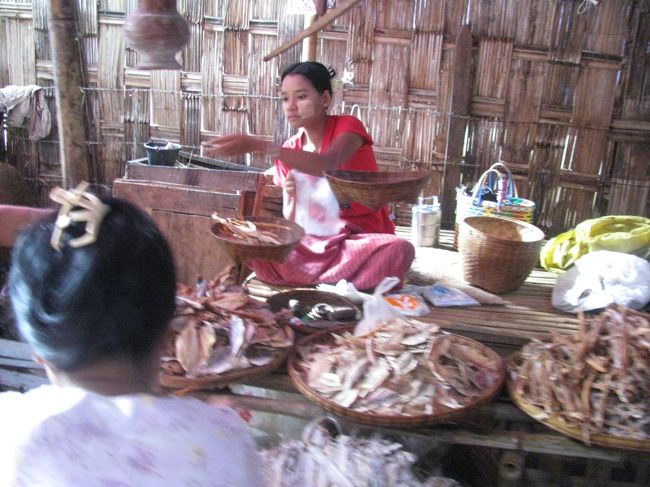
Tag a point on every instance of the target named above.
point(93, 213)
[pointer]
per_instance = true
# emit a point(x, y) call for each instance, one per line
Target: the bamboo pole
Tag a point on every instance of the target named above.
point(326, 19)
point(68, 75)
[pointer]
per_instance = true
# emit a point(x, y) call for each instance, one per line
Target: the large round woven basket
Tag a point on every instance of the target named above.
point(298, 375)
point(287, 232)
point(562, 425)
point(376, 189)
point(497, 253)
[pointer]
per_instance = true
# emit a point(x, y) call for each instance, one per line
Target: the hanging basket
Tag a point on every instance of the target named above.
point(510, 206)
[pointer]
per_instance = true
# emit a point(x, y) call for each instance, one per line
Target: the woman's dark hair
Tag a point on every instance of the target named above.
point(316, 73)
point(112, 298)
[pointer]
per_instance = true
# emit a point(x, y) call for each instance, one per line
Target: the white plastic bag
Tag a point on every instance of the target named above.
point(316, 207)
point(601, 278)
point(345, 289)
point(375, 309)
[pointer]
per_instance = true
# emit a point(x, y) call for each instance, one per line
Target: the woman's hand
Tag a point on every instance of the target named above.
point(235, 145)
point(290, 185)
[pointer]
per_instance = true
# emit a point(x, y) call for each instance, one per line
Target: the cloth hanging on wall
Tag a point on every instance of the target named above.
point(20, 102)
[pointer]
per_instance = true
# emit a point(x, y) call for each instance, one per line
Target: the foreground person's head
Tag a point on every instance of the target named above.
point(90, 292)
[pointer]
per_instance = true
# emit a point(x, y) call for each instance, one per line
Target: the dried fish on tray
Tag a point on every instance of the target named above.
point(593, 386)
point(320, 459)
point(222, 335)
point(402, 373)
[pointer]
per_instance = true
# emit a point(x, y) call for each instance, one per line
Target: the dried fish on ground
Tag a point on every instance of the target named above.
point(220, 328)
point(403, 368)
point(343, 461)
point(597, 380)
point(247, 231)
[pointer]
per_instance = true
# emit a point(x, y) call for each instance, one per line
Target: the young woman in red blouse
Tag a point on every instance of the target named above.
point(361, 246)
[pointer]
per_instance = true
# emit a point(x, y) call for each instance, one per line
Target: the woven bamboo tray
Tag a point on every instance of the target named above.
point(288, 232)
point(498, 253)
point(560, 425)
point(220, 381)
point(297, 377)
point(376, 189)
point(308, 298)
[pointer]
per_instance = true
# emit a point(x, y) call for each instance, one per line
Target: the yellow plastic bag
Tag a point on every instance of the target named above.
point(619, 233)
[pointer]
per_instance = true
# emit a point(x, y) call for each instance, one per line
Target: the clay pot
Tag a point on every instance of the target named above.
point(156, 31)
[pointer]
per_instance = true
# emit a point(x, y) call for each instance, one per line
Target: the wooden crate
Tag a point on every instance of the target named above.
point(181, 200)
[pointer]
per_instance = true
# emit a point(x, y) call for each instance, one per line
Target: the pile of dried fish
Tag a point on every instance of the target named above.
point(220, 328)
point(343, 461)
point(402, 367)
point(247, 231)
point(597, 380)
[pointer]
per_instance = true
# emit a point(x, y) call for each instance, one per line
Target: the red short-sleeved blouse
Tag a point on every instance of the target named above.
point(363, 160)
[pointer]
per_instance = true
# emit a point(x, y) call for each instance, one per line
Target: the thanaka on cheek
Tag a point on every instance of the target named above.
point(306, 108)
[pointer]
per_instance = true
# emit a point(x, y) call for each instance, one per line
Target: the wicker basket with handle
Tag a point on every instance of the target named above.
point(497, 253)
point(510, 205)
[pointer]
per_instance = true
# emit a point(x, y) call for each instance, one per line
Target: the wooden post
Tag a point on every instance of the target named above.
point(68, 75)
point(458, 112)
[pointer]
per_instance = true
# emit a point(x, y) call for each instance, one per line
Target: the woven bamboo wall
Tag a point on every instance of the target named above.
point(561, 94)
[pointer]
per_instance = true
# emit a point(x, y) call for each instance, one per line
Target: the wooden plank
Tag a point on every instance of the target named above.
point(547, 443)
point(196, 252)
point(15, 349)
point(459, 109)
point(21, 381)
point(180, 199)
point(19, 364)
point(217, 180)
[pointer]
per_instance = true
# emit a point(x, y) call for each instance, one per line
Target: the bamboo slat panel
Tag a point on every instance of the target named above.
point(494, 18)
point(395, 15)
point(4, 60)
point(523, 110)
point(166, 99)
point(39, 24)
point(567, 33)
point(360, 41)
point(109, 73)
point(211, 79)
point(388, 91)
point(493, 72)
point(20, 52)
point(532, 23)
point(429, 16)
point(266, 9)
point(608, 27)
point(426, 57)
point(262, 85)
point(116, 6)
point(636, 105)
point(630, 183)
point(190, 131)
